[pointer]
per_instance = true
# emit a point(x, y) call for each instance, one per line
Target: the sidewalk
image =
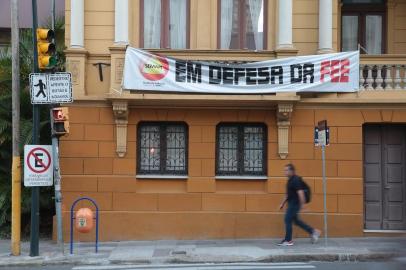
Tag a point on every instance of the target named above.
point(209, 251)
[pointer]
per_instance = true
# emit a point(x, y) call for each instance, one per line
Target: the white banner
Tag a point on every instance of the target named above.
point(335, 72)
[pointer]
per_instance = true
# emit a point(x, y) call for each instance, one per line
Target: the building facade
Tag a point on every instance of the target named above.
point(199, 166)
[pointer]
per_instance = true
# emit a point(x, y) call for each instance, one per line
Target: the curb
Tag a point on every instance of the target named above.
point(321, 257)
point(184, 259)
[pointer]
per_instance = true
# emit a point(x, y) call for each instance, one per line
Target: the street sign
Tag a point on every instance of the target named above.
point(316, 136)
point(321, 133)
point(48, 88)
point(38, 169)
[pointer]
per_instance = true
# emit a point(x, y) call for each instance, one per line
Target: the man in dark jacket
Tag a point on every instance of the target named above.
point(295, 198)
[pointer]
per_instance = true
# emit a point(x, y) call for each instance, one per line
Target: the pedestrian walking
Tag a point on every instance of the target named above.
point(296, 199)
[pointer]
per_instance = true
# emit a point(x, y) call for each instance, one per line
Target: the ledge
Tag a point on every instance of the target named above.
point(240, 177)
point(384, 231)
point(361, 97)
point(185, 100)
point(382, 59)
point(207, 54)
point(71, 51)
point(161, 176)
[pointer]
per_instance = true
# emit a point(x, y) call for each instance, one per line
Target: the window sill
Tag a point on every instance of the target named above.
point(160, 176)
point(240, 177)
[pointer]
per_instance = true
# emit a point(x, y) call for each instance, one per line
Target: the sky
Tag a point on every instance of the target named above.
point(25, 12)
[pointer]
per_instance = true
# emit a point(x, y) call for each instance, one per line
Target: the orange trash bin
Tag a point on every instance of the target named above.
point(84, 220)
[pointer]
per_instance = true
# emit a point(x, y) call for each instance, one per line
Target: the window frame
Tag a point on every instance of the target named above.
point(165, 31)
point(242, 26)
point(361, 11)
point(163, 148)
point(240, 150)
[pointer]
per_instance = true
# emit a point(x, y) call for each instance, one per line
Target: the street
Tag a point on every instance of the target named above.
point(391, 265)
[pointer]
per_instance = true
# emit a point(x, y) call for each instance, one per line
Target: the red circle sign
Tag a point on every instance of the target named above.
point(154, 68)
point(44, 166)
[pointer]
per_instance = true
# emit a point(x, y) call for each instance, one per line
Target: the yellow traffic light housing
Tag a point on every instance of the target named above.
point(60, 125)
point(46, 49)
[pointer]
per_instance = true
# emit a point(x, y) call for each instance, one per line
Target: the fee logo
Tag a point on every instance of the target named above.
point(154, 68)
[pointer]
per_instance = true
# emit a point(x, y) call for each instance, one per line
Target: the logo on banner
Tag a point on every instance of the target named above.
point(154, 68)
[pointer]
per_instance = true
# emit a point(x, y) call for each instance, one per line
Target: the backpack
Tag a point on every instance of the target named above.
point(307, 191)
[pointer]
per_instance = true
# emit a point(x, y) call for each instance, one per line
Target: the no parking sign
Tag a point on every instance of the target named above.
point(38, 169)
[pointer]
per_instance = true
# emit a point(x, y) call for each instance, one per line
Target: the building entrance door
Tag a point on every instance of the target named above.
point(385, 177)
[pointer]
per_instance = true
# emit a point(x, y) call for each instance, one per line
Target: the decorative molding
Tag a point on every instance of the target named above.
point(283, 116)
point(76, 60)
point(119, 68)
point(74, 67)
point(120, 110)
point(117, 55)
point(286, 52)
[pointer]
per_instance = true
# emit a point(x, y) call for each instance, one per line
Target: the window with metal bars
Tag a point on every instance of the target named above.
point(162, 148)
point(241, 149)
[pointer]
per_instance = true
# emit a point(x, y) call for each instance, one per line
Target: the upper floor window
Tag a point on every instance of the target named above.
point(363, 23)
point(242, 24)
point(241, 149)
point(164, 24)
point(162, 148)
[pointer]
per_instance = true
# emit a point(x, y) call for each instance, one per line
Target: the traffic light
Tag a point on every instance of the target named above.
point(46, 49)
point(60, 125)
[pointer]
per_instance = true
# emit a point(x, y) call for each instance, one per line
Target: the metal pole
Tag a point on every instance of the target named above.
point(16, 166)
point(34, 237)
point(57, 171)
point(323, 156)
point(57, 185)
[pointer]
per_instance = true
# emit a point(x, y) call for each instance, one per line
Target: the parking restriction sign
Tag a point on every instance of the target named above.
point(38, 169)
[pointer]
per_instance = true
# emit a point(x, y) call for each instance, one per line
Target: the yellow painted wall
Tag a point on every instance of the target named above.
point(99, 25)
point(201, 206)
point(400, 27)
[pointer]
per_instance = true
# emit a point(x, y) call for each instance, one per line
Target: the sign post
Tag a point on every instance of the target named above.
point(57, 181)
point(322, 142)
point(52, 88)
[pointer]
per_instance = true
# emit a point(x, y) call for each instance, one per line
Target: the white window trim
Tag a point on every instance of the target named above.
point(161, 176)
point(384, 231)
point(241, 177)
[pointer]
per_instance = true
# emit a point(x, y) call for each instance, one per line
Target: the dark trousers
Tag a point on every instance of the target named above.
point(292, 215)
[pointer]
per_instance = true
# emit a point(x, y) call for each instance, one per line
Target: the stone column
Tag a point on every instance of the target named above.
point(325, 26)
point(285, 25)
point(121, 22)
point(77, 19)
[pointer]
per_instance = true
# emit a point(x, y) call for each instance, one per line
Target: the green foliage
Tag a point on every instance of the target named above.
point(26, 64)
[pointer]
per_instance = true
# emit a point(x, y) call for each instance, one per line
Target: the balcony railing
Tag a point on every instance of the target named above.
point(383, 72)
point(382, 77)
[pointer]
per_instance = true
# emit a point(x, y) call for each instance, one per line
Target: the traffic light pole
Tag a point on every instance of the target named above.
point(34, 237)
point(57, 185)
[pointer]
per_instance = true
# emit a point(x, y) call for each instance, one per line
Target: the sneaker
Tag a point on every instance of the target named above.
point(315, 236)
point(285, 243)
